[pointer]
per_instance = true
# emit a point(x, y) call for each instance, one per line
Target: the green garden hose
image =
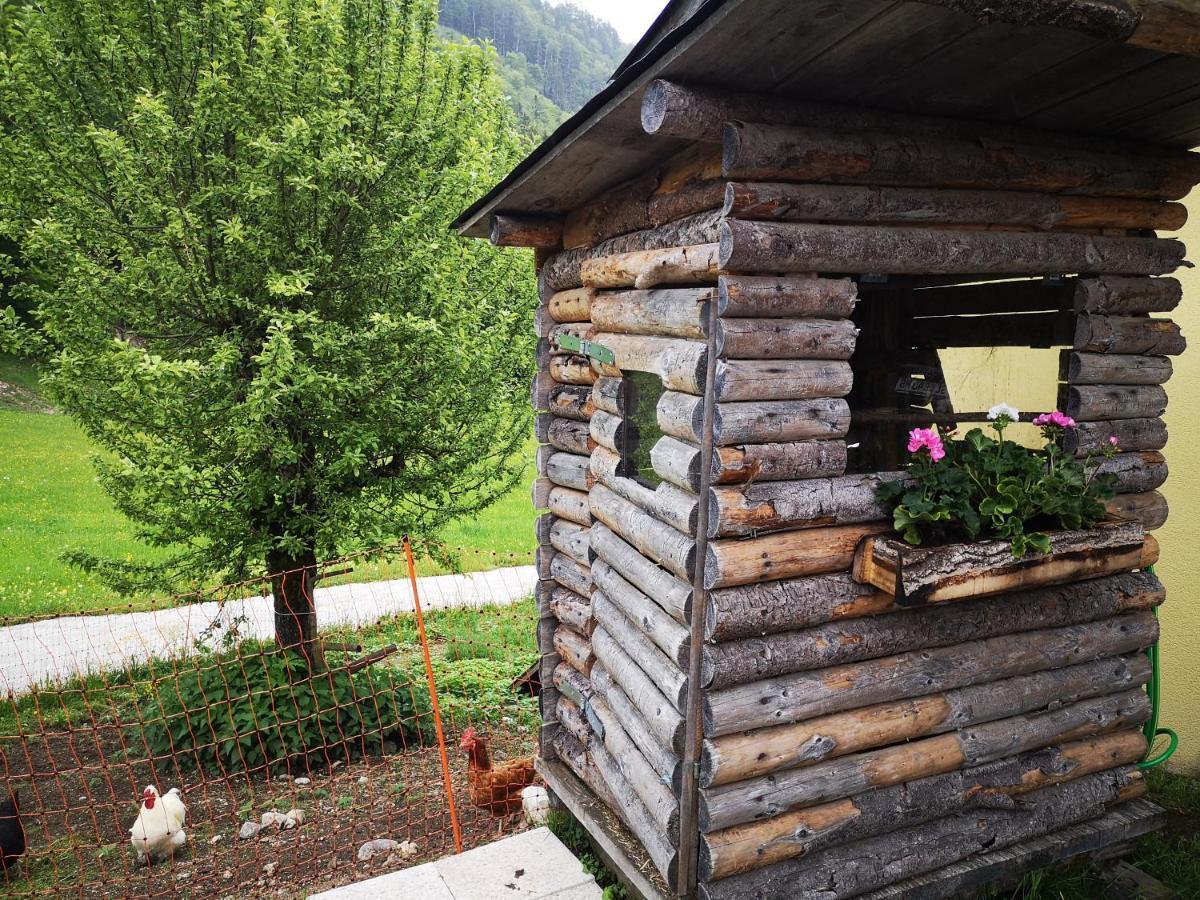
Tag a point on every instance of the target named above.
point(1151, 729)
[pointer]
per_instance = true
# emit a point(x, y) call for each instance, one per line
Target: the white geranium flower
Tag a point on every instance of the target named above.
point(1003, 409)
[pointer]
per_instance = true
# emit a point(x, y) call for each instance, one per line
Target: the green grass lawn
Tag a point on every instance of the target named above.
point(50, 501)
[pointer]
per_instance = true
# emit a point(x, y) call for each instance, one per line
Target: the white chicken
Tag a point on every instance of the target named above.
point(535, 801)
point(158, 831)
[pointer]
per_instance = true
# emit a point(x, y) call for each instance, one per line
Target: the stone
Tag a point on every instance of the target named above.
point(303, 781)
point(269, 869)
point(376, 847)
point(297, 816)
point(275, 819)
point(249, 830)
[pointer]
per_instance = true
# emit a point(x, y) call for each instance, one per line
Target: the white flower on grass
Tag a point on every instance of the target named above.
point(1003, 409)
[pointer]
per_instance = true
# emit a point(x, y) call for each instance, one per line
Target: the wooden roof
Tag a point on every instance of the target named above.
point(1128, 68)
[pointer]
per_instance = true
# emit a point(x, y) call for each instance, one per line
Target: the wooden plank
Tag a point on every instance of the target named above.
point(802, 695)
point(598, 769)
point(787, 554)
point(1129, 435)
point(673, 595)
point(1113, 368)
point(1149, 508)
point(1123, 824)
point(784, 201)
point(656, 623)
point(740, 380)
point(736, 757)
point(810, 503)
point(762, 152)
point(573, 305)
point(927, 847)
point(772, 607)
point(1136, 473)
point(786, 338)
point(612, 841)
point(667, 312)
point(687, 183)
point(571, 369)
point(770, 296)
point(645, 269)
point(564, 270)
point(1091, 403)
point(918, 575)
point(853, 640)
point(679, 461)
point(680, 363)
point(802, 832)
point(762, 798)
point(761, 422)
point(1114, 295)
point(700, 113)
point(527, 231)
point(1128, 334)
point(802, 247)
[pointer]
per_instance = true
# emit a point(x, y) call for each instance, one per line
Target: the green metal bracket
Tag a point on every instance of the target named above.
point(591, 349)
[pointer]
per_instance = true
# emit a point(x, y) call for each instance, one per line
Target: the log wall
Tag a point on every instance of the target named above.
point(797, 280)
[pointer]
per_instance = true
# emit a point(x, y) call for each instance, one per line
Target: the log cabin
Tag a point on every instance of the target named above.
point(756, 248)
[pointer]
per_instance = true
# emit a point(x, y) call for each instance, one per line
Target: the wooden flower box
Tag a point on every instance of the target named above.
point(939, 573)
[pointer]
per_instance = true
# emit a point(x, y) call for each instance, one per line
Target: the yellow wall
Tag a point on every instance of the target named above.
point(1027, 379)
point(1180, 563)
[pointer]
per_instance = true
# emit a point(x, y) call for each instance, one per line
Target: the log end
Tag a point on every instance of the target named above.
point(655, 103)
point(730, 198)
point(731, 145)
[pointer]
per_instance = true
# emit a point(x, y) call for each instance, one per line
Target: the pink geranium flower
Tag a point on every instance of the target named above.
point(1062, 420)
point(928, 439)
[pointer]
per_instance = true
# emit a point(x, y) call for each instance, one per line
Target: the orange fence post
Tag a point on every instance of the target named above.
point(433, 697)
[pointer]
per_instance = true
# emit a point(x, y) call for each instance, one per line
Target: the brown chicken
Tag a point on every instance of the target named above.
point(495, 788)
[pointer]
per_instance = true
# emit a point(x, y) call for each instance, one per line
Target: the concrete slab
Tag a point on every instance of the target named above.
point(533, 865)
point(417, 883)
point(527, 866)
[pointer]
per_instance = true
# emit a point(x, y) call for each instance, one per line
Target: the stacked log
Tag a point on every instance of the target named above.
point(646, 297)
point(1112, 382)
point(562, 400)
point(849, 710)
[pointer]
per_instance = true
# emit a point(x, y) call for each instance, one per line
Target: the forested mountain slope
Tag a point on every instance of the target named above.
point(552, 58)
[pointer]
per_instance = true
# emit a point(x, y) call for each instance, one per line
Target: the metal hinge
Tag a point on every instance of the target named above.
point(591, 349)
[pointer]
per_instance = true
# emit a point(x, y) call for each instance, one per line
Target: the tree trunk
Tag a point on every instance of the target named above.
point(293, 582)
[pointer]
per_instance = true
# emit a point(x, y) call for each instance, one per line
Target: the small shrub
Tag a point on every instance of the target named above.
point(985, 488)
point(253, 711)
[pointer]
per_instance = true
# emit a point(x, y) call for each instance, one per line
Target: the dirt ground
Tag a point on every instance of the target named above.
point(80, 792)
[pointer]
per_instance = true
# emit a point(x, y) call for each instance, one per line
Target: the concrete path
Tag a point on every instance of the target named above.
point(533, 865)
point(54, 650)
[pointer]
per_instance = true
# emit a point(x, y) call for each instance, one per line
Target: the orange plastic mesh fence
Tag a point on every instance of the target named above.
point(292, 781)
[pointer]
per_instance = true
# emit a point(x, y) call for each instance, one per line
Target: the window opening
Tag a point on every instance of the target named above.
point(642, 390)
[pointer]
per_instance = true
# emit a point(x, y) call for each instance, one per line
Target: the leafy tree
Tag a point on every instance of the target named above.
point(236, 214)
